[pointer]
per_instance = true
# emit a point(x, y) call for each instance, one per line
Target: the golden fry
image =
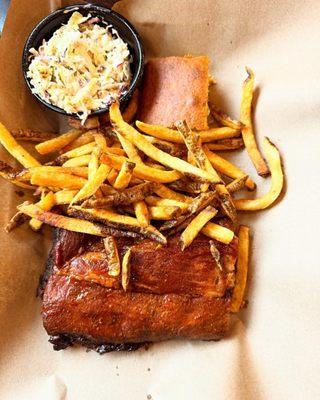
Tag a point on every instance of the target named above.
point(80, 151)
point(142, 213)
point(242, 269)
point(226, 144)
point(226, 168)
point(81, 140)
point(195, 226)
point(14, 148)
point(130, 149)
point(15, 177)
point(58, 143)
point(82, 161)
point(132, 107)
point(163, 158)
point(158, 201)
point(78, 171)
point(111, 249)
point(141, 171)
point(224, 119)
point(125, 275)
point(64, 196)
point(277, 181)
point(92, 185)
point(124, 177)
point(164, 213)
point(247, 132)
point(101, 141)
point(218, 232)
point(46, 204)
point(57, 179)
point(166, 193)
point(171, 135)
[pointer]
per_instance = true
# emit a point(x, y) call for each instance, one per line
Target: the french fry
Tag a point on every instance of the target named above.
point(218, 232)
point(94, 162)
point(18, 219)
point(118, 221)
point(132, 107)
point(101, 141)
point(29, 135)
point(151, 151)
point(82, 161)
point(57, 143)
point(195, 226)
point(215, 254)
point(277, 180)
point(79, 151)
point(46, 204)
point(227, 168)
point(242, 269)
point(172, 135)
point(224, 119)
point(166, 193)
point(130, 149)
point(14, 148)
point(185, 185)
point(226, 144)
point(91, 123)
point(112, 176)
point(124, 177)
point(92, 185)
point(81, 140)
point(126, 197)
point(174, 149)
point(142, 213)
point(237, 184)
point(64, 196)
point(13, 176)
point(78, 171)
point(158, 201)
point(247, 131)
point(164, 213)
point(111, 249)
point(125, 274)
point(55, 179)
point(71, 224)
point(141, 171)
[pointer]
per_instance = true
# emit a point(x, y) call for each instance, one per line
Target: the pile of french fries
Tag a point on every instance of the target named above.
point(139, 180)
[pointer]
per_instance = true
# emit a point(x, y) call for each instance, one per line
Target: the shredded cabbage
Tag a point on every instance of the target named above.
point(82, 67)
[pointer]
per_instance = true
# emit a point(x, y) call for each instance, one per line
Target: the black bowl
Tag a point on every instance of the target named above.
point(53, 21)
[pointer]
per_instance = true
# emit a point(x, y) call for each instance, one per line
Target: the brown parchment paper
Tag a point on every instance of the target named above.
point(272, 351)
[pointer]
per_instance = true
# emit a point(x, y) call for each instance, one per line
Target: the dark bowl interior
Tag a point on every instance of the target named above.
point(46, 28)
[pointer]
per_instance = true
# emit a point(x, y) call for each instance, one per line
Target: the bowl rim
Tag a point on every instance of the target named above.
point(100, 8)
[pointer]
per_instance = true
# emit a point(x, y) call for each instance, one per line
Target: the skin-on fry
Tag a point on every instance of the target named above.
point(237, 184)
point(215, 254)
point(224, 119)
point(196, 225)
point(83, 139)
point(58, 143)
point(141, 171)
point(176, 150)
point(125, 270)
point(82, 161)
point(166, 193)
point(226, 144)
point(101, 141)
point(170, 135)
point(46, 204)
point(124, 176)
point(226, 168)
point(164, 213)
point(14, 148)
point(18, 219)
point(277, 179)
point(142, 213)
point(142, 144)
point(132, 107)
point(118, 221)
point(242, 269)
point(64, 196)
point(158, 201)
point(218, 232)
point(247, 131)
point(112, 255)
point(55, 179)
point(126, 197)
point(71, 224)
point(29, 135)
point(185, 185)
point(92, 185)
point(13, 176)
